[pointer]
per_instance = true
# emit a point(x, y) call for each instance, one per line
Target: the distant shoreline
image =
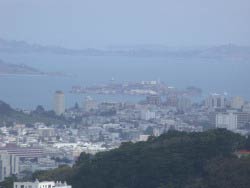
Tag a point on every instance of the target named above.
point(16, 74)
point(32, 75)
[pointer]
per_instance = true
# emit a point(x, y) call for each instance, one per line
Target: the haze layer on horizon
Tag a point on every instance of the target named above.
point(95, 23)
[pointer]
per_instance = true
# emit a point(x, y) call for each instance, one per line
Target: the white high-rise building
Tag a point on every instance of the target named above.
point(237, 102)
point(43, 184)
point(227, 121)
point(216, 101)
point(4, 165)
point(59, 103)
point(9, 165)
point(147, 115)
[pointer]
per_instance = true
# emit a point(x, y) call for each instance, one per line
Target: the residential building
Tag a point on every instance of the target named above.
point(237, 102)
point(89, 104)
point(215, 101)
point(184, 104)
point(147, 115)
point(43, 184)
point(226, 120)
point(246, 108)
point(242, 119)
point(9, 165)
point(24, 152)
point(172, 100)
point(153, 100)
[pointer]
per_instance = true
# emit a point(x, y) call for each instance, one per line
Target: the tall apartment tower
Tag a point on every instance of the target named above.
point(216, 101)
point(9, 165)
point(59, 103)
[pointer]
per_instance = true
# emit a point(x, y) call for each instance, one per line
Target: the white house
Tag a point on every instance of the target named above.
point(44, 184)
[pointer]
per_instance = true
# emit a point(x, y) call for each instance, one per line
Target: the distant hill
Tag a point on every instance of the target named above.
point(13, 46)
point(173, 160)
point(7, 68)
point(8, 116)
point(230, 52)
point(223, 52)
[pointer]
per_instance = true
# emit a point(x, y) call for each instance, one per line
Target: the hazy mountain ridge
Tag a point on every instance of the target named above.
point(227, 52)
point(13, 46)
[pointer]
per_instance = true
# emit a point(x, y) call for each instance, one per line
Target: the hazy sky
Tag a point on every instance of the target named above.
point(90, 23)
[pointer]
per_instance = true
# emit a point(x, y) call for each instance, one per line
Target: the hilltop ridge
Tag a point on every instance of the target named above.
point(221, 52)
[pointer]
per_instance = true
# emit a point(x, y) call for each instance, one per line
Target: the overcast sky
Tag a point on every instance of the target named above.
point(93, 23)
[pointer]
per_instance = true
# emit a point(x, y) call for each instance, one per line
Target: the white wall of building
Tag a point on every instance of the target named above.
point(147, 115)
point(9, 165)
point(228, 121)
point(37, 184)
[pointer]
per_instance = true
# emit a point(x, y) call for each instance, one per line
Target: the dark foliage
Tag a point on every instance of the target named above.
point(5, 108)
point(9, 116)
point(173, 160)
point(8, 183)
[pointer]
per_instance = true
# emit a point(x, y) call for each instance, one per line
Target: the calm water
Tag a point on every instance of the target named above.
point(29, 91)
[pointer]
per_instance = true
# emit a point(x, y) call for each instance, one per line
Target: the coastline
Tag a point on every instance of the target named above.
point(35, 75)
point(21, 74)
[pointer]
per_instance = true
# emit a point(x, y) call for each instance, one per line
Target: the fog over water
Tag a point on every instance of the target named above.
point(29, 91)
point(80, 24)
